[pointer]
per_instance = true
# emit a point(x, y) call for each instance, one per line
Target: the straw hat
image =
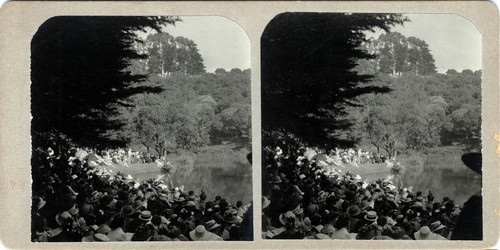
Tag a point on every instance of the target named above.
point(145, 215)
point(371, 216)
point(211, 224)
point(435, 226)
point(199, 234)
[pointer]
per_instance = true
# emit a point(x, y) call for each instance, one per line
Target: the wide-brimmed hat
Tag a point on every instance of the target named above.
point(284, 216)
point(231, 219)
point(276, 179)
point(50, 180)
point(145, 215)
point(312, 209)
point(103, 229)
point(98, 237)
point(364, 205)
point(60, 218)
point(474, 161)
point(437, 225)
point(211, 224)
point(353, 210)
point(139, 203)
point(328, 229)
point(199, 234)
point(322, 236)
point(38, 202)
point(424, 234)
point(371, 216)
point(265, 202)
point(298, 210)
point(127, 210)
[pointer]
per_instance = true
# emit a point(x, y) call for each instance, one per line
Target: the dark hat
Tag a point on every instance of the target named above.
point(353, 210)
point(276, 179)
point(474, 161)
point(127, 210)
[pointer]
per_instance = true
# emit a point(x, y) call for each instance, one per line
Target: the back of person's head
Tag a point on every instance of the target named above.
point(315, 220)
point(156, 220)
point(239, 204)
point(343, 221)
point(118, 221)
point(381, 221)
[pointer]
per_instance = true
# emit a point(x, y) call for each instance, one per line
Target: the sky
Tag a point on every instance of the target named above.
point(453, 40)
point(222, 43)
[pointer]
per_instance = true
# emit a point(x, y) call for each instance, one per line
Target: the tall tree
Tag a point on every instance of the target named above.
point(78, 76)
point(308, 75)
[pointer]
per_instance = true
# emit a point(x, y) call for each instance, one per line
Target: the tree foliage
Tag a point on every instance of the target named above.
point(192, 111)
point(421, 112)
point(168, 54)
point(308, 74)
point(396, 54)
point(78, 77)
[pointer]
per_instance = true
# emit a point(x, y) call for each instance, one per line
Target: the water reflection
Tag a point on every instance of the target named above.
point(444, 177)
point(233, 183)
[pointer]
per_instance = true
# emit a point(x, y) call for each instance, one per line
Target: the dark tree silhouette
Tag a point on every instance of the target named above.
point(78, 77)
point(308, 75)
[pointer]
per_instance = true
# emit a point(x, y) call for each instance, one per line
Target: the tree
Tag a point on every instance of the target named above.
point(78, 77)
point(168, 54)
point(308, 75)
point(397, 54)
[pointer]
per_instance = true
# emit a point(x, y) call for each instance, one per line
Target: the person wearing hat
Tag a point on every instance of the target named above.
point(288, 219)
point(144, 229)
point(213, 227)
point(438, 228)
point(469, 224)
point(116, 225)
point(38, 222)
point(201, 234)
point(98, 237)
point(425, 233)
point(353, 211)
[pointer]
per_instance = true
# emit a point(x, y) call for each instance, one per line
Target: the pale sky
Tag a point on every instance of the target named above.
point(453, 40)
point(222, 43)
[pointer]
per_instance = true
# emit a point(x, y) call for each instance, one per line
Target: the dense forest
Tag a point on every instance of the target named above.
point(195, 108)
point(425, 108)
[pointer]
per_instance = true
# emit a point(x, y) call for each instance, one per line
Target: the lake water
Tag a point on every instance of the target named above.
point(227, 174)
point(444, 175)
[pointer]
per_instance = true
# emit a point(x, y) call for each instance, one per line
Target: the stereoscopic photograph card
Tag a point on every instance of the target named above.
point(227, 125)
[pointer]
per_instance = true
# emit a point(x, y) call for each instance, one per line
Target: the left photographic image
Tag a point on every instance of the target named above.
point(141, 129)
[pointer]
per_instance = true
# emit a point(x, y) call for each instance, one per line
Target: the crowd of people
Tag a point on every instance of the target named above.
point(75, 201)
point(304, 200)
point(118, 156)
point(342, 157)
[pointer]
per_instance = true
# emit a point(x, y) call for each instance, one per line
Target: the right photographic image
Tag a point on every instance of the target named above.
point(371, 127)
